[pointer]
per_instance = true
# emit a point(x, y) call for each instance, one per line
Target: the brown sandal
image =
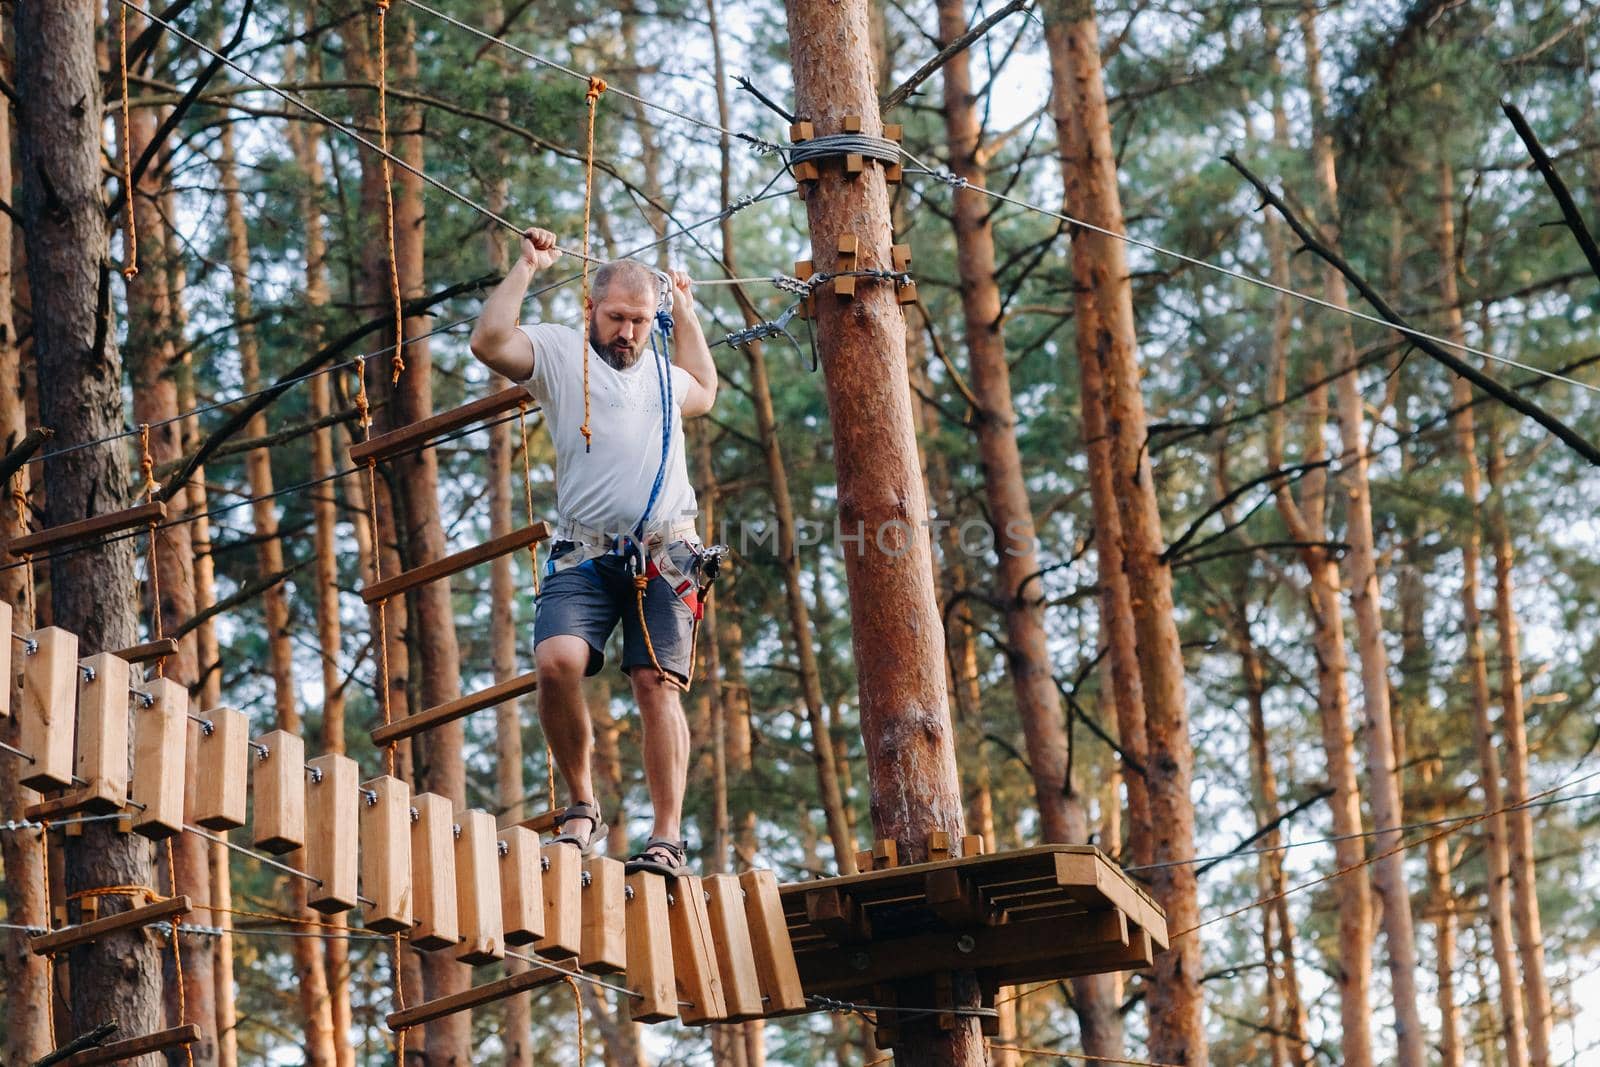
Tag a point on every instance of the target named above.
point(597, 827)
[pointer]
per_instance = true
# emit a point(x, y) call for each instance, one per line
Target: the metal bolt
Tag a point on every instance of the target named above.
point(415, 815)
point(371, 797)
point(88, 672)
point(503, 848)
point(966, 943)
point(544, 863)
point(316, 775)
point(585, 878)
point(264, 751)
point(455, 831)
point(627, 892)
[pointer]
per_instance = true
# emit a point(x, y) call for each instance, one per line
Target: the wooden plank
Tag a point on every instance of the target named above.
point(475, 997)
point(70, 936)
point(160, 758)
point(1137, 954)
point(385, 833)
point(46, 719)
point(117, 1051)
point(452, 710)
point(837, 914)
point(521, 886)
point(736, 961)
point(433, 873)
point(605, 924)
point(769, 941)
point(478, 889)
point(280, 791)
point(150, 650)
point(694, 955)
point(456, 562)
point(222, 769)
point(74, 802)
point(103, 732)
point(396, 441)
point(1092, 880)
point(563, 908)
point(83, 529)
point(951, 896)
point(542, 823)
point(332, 854)
point(650, 978)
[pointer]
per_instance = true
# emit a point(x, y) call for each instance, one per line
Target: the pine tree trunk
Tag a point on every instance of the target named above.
point(1383, 778)
point(59, 137)
point(1513, 1026)
point(1099, 264)
point(1513, 721)
point(22, 974)
point(897, 635)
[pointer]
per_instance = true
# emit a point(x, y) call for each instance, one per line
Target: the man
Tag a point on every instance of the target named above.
point(625, 546)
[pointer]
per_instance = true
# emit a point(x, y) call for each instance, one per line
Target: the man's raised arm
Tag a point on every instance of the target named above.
point(690, 350)
point(496, 341)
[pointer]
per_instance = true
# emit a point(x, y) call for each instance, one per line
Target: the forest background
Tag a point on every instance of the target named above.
point(260, 244)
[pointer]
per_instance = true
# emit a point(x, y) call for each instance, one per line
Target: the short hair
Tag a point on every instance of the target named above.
point(629, 272)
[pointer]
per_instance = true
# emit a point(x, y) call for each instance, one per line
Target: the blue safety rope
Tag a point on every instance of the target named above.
point(660, 353)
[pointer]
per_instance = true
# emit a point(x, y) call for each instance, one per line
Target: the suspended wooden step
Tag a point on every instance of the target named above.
point(477, 996)
point(458, 708)
point(94, 526)
point(387, 445)
point(102, 761)
point(453, 564)
point(694, 954)
point(1055, 911)
point(150, 651)
point(160, 758)
point(433, 873)
point(70, 936)
point(280, 788)
point(47, 717)
point(118, 1051)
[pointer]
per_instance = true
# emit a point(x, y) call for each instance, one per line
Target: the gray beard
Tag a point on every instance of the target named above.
point(616, 360)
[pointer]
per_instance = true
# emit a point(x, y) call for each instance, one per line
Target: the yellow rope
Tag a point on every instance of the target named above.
point(177, 952)
point(592, 98)
point(397, 362)
point(147, 468)
point(132, 269)
point(49, 923)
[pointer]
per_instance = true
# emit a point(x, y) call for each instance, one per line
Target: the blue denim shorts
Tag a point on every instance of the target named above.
point(588, 600)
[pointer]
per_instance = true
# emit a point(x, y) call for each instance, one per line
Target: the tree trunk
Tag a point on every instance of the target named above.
point(1108, 343)
point(23, 974)
point(1306, 523)
point(1519, 821)
point(898, 639)
point(59, 124)
point(1513, 1027)
point(1383, 779)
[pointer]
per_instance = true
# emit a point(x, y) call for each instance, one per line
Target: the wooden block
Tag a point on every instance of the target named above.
point(222, 769)
point(650, 950)
point(951, 896)
point(886, 1033)
point(563, 909)
point(769, 941)
point(848, 244)
point(694, 956)
point(854, 163)
point(478, 889)
point(836, 914)
point(160, 758)
point(433, 873)
point(805, 172)
point(939, 841)
point(280, 790)
point(972, 845)
point(852, 124)
point(901, 256)
point(864, 859)
point(103, 732)
point(736, 961)
point(332, 853)
point(385, 832)
point(521, 886)
point(894, 131)
point(885, 854)
point(846, 286)
point(801, 131)
point(47, 717)
point(11, 643)
point(605, 922)
point(803, 269)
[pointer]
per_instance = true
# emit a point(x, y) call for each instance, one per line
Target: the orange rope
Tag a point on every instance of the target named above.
point(177, 952)
point(147, 468)
point(592, 98)
point(1053, 1054)
point(49, 923)
point(397, 363)
point(132, 269)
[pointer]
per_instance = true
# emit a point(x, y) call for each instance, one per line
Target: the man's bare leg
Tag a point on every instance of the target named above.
point(666, 750)
point(565, 717)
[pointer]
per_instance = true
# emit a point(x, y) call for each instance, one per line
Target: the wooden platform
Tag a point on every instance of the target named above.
point(1049, 912)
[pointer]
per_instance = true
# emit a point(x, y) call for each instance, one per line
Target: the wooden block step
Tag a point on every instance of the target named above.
point(736, 961)
point(47, 717)
point(769, 941)
point(332, 854)
point(433, 873)
point(103, 732)
point(118, 1051)
point(221, 769)
point(455, 563)
point(478, 889)
point(562, 883)
point(694, 954)
point(605, 924)
point(70, 936)
point(386, 445)
point(69, 532)
point(458, 708)
point(475, 997)
point(650, 978)
point(385, 832)
point(160, 758)
point(521, 886)
point(280, 792)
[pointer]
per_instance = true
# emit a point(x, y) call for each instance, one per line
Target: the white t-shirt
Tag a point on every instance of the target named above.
point(608, 487)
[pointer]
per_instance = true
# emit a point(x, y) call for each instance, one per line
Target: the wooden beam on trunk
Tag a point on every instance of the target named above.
point(452, 564)
point(396, 441)
point(117, 1051)
point(72, 532)
point(459, 708)
point(83, 933)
